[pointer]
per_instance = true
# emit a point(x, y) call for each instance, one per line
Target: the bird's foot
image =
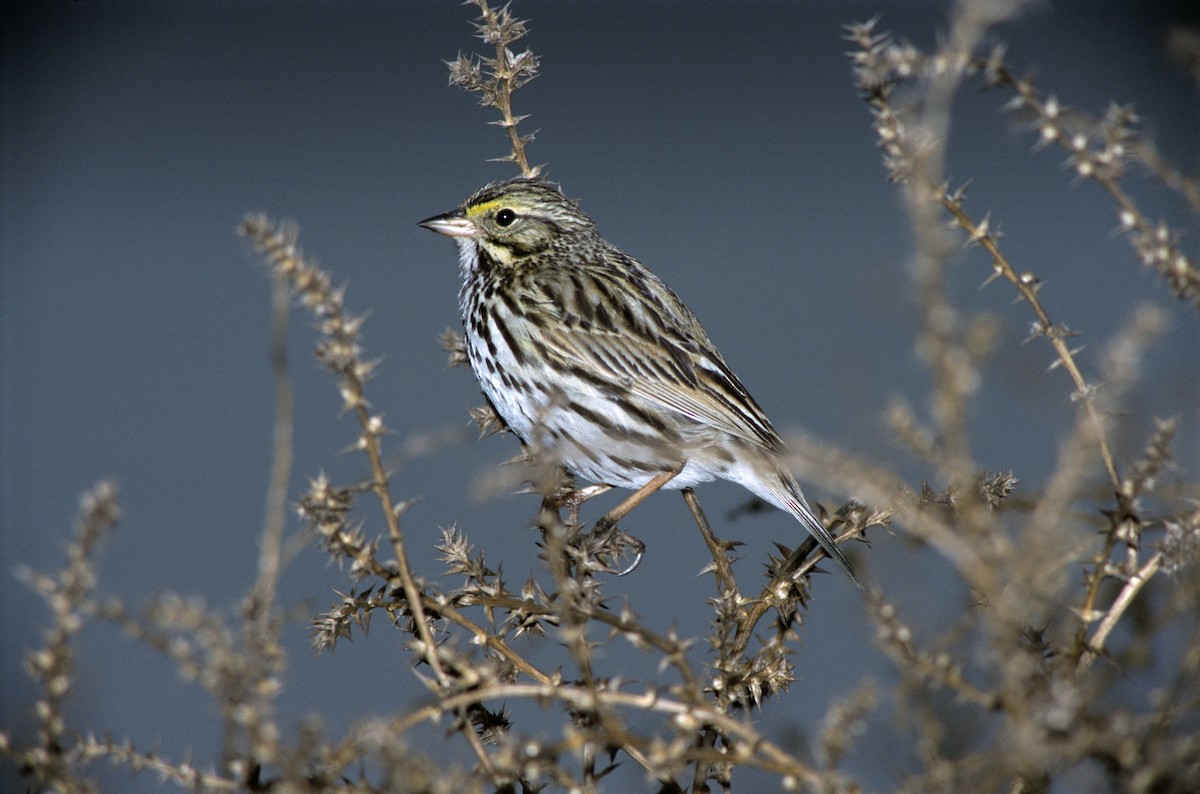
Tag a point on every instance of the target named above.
point(608, 544)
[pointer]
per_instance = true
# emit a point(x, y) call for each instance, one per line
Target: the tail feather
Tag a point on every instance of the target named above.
point(800, 509)
point(785, 494)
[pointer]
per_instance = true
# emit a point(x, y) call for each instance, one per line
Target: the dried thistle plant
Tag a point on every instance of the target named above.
point(1068, 578)
point(495, 79)
point(1033, 670)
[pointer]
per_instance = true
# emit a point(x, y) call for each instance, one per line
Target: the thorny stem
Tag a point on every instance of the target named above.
point(260, 629)
point(1028, 290)
point(799, 563)
point(721, 567)
point(1103, 166)
point(379, 484)
point(1131, 220)
point(269, 561)
point(412, 594)
point(619, 621)
point(510, 123)
point(504, 85)
point(796, 566)
point(576, 616)
point(571, 602)
point(707, 740)
point(573, 617)
point(1132, 586)
point(1185, 186)
point(436, 606)
point(285, 257)
point(492, 641)
point(752, 749)
point(286, 260)
point(575, 611)
point(70, 598)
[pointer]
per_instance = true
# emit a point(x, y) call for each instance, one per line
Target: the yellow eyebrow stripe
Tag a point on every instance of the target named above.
point(479, 209)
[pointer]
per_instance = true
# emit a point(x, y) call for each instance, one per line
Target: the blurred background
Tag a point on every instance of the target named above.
point(723, 144)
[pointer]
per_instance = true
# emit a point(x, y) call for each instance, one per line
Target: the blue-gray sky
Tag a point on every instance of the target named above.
point(722, 144)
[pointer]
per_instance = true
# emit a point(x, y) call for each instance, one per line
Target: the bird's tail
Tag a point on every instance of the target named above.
point(784, 492)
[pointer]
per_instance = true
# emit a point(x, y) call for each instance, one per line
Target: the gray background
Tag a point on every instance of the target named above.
point(722, 144)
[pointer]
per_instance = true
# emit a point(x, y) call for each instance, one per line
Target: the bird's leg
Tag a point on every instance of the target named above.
point(573, 499)
point(553, 492)
point(567, 496)
point(607, 525)
point(610, 519)
point(717, 547)
point(564, 494)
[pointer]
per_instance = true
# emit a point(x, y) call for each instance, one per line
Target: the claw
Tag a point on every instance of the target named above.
point(640, 549)
point(623, 543)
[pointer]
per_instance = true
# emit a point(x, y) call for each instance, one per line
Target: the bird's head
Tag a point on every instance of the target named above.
point(514, 220)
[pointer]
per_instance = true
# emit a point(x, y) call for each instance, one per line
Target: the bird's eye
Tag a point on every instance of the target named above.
point(505, 217)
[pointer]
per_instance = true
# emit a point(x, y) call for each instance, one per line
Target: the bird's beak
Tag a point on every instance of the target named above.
point(452, 224)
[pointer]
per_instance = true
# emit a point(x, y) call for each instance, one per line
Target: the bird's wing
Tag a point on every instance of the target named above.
point(651, 345)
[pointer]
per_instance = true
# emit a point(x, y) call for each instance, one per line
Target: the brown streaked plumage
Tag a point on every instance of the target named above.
point(589, 357)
